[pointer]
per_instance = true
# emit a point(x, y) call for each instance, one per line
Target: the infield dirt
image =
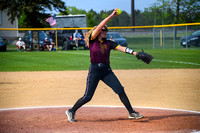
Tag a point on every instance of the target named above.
point(164, 88)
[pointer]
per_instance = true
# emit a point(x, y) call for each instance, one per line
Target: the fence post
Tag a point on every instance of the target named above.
point(174, 38)
point(56, 40)
point(153, 37)
point(163, 35)
point(186, 38)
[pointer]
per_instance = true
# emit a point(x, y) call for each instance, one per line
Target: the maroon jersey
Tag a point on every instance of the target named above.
point(100, 51)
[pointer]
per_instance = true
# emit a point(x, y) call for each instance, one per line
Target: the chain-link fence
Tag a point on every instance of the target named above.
point(173, 37)
point(146, 37)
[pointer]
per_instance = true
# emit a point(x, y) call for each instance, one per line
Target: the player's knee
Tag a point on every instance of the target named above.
point(119, 90)
point(122, 92)
point(87, 98)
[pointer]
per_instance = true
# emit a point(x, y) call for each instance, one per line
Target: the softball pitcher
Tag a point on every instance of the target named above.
point(100, 68)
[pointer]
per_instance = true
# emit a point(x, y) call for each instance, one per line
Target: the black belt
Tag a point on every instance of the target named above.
point(101, 64)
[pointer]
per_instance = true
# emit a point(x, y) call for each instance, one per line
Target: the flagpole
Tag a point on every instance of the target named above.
point(56, 40)
point(56, 35)
point(52, 21)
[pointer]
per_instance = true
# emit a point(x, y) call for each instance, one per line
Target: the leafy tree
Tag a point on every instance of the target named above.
point(177, 11)
point(124, 19)
point(103, 14)
point(170, 16)
point(190, 11)
point(31, 13)
point(92, 18)
point(156, 14)
point(74, 11)
point(138, 16)
point(177, 8)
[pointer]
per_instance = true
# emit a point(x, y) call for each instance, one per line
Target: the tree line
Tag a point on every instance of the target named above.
point(33, 13)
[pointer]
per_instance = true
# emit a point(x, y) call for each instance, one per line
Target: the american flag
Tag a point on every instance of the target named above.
point(51, 20)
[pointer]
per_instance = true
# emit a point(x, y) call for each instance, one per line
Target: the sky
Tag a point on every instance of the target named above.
point(98, 5)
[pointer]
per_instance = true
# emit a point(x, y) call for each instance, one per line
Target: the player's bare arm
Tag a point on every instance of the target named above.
point(103, 23)
point(126, 50)
point(147, 58)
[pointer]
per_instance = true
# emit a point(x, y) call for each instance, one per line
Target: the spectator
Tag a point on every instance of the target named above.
point(48, 44)
point(76, 37)
point(111, 38)
point(21, 45)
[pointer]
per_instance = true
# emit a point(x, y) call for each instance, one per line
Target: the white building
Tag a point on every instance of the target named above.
point(5, 23)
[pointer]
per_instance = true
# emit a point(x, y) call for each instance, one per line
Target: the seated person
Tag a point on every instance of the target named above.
point(21, 45)
point(48, 44)
point(111, 38)
point(76, 37)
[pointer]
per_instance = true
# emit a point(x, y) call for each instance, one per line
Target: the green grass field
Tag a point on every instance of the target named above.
point(167, 57)
point(80, 60)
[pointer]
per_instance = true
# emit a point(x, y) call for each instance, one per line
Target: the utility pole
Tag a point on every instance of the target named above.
point(133, 13)
point(163, 29)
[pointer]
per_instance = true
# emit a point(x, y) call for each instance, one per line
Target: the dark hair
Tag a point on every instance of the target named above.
point(106, 29)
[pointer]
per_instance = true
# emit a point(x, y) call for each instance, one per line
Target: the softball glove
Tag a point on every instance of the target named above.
point(147, 58)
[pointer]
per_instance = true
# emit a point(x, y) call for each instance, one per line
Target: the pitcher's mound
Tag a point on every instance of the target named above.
point(98, 119)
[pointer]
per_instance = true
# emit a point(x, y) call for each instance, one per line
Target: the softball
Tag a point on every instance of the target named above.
point(118, 11)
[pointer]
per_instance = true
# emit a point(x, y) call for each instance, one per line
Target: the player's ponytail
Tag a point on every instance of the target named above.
point(88, 35)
